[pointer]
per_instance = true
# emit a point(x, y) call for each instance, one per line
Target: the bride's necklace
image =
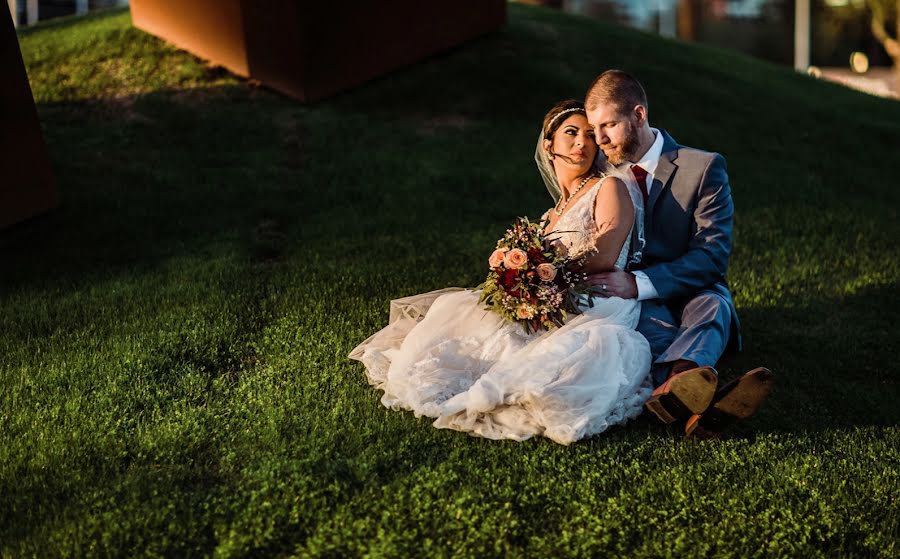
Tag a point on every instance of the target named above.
point(559, 209)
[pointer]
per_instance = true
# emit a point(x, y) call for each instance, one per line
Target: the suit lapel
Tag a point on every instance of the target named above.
point(664, 170)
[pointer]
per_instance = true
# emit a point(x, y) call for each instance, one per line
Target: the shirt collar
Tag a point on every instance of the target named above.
point(650, 160)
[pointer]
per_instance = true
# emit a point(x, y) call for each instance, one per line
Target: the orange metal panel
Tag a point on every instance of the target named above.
point(310, 49)
point(211, 29)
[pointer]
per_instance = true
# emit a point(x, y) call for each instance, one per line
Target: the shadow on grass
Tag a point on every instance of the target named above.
point(151, 177)
point(147, 178)
point(834, 359)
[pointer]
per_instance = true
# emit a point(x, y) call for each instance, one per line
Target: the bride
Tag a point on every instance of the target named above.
point(443, 355)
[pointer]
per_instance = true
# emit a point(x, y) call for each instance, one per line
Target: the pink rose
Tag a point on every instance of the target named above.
point(496, 257)
point(547, 272)
point(516, 259)
point(523, 312)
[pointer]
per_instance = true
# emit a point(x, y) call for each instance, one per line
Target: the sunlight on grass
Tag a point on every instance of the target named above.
point(103, 57)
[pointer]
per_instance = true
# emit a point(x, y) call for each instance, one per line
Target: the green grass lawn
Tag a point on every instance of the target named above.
point(173, 372)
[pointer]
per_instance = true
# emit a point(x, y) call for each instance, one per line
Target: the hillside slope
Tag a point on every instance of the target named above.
point(172, 364)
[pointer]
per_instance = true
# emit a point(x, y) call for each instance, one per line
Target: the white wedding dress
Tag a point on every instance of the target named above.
point(443, 355)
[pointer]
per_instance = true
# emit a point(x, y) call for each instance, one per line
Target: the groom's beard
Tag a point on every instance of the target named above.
point(626, 150)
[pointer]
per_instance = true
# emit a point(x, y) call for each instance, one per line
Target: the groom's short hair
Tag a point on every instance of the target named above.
point(617, 87)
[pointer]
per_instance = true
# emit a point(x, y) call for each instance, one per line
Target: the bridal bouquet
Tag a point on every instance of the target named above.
point(529, 282)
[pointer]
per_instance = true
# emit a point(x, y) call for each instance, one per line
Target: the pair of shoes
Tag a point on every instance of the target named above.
point(685, 394)
point(739, 399)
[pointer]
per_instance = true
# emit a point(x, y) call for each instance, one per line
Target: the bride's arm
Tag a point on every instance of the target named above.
point(614, 217)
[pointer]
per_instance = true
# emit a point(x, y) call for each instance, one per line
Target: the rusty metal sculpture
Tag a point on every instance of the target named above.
point(312, 49)
point(27, 186)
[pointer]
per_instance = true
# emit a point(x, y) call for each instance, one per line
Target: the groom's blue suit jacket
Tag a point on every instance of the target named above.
point(688, 223)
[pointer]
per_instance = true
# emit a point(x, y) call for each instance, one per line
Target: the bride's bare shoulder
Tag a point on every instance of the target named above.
point(613, 202)
point(612, 182)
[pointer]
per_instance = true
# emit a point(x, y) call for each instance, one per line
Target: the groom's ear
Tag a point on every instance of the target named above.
point(640, 113)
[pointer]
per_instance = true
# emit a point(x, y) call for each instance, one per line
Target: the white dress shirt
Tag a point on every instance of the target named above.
point(649, 161)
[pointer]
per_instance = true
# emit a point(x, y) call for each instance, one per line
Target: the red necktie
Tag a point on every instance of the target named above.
point(641, 176)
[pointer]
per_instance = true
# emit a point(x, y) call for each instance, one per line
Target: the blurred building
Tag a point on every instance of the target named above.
point(760, 28)
point(31, 11)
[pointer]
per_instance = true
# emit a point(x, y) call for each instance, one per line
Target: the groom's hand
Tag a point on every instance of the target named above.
point(614, 284)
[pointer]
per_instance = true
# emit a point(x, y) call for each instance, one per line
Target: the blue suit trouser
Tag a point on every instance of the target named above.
point(695, 330)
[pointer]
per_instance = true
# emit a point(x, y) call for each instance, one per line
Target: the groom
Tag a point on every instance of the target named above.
point(687, 313)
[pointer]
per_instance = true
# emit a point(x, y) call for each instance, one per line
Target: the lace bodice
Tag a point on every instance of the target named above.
point(577, 230)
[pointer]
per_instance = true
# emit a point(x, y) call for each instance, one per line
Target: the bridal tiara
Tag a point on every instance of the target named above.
point(559, 114)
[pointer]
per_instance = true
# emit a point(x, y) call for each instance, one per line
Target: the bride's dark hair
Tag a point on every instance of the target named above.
point(556, 116)
point(552, 122)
